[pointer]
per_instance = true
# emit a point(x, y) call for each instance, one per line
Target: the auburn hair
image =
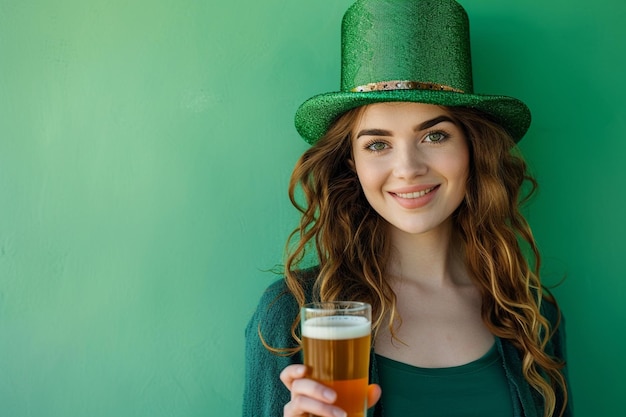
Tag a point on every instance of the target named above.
point(352, 249)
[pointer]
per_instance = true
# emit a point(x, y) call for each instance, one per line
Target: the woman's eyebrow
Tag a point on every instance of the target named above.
point(422, 126)
point(373, 132)
point(433, 122)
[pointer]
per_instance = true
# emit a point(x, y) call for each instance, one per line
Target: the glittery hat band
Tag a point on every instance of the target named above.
point(403, 85)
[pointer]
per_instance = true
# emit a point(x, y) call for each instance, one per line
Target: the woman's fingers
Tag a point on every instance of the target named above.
point(301, 405)
point(307, 395)
point(373, 394)
point(294, 379)
point(291, 373)
point(311, 397)
point(312, 389)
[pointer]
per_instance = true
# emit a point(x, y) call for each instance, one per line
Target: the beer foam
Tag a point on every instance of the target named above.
point(336, 327)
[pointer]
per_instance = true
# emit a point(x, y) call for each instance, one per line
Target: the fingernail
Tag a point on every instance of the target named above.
point(330, 395)
point(301, 369)
point(340, 413)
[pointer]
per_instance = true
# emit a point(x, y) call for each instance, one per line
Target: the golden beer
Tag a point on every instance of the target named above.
point(337, 351)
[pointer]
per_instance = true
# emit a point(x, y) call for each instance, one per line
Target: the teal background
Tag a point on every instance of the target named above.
point(145, 149)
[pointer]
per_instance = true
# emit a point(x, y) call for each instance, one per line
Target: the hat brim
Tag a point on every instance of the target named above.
point(314, 116)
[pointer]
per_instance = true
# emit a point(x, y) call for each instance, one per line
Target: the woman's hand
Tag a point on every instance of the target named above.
point(311, 397)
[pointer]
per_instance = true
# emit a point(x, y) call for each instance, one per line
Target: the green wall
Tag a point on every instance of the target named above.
point(145, 149)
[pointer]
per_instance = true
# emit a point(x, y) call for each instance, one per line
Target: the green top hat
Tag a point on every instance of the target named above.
point(406, 50)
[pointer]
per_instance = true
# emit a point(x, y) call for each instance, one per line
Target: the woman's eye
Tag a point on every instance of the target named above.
point(436, 136)
point(377, 146)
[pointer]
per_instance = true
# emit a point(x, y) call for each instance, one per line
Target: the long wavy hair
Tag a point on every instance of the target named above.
point(352, 248)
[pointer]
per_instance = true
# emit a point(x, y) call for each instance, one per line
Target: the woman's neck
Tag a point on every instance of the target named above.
point(432, 259)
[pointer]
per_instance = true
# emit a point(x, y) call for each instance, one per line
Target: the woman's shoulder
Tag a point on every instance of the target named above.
point(276, 300)
point(277, 307)
point(275, 291)
point(278, 296)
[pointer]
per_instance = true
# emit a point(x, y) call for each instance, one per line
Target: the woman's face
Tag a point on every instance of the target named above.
point(412, 162)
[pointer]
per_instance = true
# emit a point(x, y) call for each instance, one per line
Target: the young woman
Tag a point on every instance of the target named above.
point(411, 203)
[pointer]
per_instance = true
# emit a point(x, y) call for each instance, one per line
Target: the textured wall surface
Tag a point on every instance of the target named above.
point(145, 149)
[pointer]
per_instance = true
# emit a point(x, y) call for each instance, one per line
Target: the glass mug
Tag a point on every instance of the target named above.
point(336, 340)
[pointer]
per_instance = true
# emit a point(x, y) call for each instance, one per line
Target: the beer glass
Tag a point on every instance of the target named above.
point(336, 346)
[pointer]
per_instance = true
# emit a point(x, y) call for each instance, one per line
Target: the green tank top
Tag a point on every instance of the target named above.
point(477, 389)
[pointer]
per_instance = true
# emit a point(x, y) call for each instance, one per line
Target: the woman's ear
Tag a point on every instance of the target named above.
point(350, 163)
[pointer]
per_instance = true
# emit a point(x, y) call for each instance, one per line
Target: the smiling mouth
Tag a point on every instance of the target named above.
point(416, 194)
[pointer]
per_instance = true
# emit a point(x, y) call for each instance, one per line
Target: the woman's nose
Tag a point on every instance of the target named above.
point(409, 163)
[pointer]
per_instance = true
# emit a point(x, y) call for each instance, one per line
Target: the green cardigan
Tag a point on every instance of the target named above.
point(265, 395)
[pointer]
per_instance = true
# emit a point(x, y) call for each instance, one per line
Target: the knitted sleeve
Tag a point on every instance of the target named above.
point(264, 393)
